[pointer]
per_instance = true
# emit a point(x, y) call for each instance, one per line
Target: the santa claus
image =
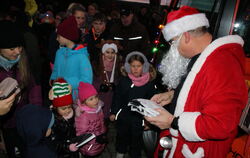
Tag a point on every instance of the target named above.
point(209, 92)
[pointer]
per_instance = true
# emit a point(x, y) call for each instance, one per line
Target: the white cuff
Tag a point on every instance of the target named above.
point(187, 126)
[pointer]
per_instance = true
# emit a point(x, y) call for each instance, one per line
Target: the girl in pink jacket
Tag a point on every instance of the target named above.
point(90, 119)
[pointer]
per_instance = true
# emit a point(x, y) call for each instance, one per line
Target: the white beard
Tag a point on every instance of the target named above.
point(173, 67)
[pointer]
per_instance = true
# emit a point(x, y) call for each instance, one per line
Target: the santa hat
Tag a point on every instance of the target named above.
point(86, 90)
point(68, 29)
point(61, 93)
point(183, 20)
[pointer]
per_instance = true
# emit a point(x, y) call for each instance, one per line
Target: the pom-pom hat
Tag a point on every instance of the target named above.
point(68, 29)
point(182, 20)
point(61, 93)
point(86, 90)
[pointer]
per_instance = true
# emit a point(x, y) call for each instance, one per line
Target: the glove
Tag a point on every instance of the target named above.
point(72, 147)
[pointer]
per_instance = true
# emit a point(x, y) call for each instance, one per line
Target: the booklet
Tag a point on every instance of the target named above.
point(83, 139)
point(145, 107)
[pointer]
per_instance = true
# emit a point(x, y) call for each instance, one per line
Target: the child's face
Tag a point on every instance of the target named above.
point(64, 110)
point(99, 26)
point(136, 68)
point(92, 101)
point(109, 54)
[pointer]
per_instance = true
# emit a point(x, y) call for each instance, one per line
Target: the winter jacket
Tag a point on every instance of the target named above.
point(74, 66)
point(62, 133)
point(132, 38)
point(125, 92)
point(29, 95)
point(91, 120)
point(210, 102)
point(32, 125)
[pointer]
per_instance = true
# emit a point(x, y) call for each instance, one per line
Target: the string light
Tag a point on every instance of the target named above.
point(161, 26)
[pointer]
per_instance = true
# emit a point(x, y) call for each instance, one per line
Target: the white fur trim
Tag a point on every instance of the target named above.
point(107, 46)
point(181, 101)
point(184, 24)
point(187, 126)
point(174, 142)
point(197, 66)
point(187, 153)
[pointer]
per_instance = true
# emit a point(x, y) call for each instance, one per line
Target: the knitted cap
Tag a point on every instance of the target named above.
point(182, 20)
point(86, 90)
point(68, 29)
point(61, 93)
point(10, 36)
point(107, 46)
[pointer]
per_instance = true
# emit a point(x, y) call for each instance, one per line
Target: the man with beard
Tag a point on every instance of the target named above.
point(211, 93)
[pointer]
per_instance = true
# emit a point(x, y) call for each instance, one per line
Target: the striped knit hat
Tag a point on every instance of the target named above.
point(61, 92)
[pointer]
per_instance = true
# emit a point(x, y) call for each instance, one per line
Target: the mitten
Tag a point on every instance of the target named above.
point(72, 147)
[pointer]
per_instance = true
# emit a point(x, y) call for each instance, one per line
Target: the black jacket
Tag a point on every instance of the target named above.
point(132, 38)
point(125, 92)
point(62, 133)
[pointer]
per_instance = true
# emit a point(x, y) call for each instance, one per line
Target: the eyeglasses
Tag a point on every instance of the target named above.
point(171, 42)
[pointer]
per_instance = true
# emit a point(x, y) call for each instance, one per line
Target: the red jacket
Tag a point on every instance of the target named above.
point(211, 101)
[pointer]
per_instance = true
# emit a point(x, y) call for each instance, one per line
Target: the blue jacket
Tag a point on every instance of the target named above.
point(74, 66)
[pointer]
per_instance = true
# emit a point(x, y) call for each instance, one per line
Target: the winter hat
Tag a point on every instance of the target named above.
point(60, 93)
point(145, 65)
point(107, 46)
point(68, 29)
point(182, 20)
point(11, 37)
point(86, 90)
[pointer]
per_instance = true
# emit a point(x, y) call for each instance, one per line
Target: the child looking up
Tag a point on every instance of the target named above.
point(34, 125)
point(63, 131)
point(90, 119)
point(72, 60)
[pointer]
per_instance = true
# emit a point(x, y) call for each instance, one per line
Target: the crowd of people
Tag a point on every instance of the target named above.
point(79, 69)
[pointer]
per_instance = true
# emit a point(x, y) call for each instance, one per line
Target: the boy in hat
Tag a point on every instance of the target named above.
point(72, 60)
point(210, 92)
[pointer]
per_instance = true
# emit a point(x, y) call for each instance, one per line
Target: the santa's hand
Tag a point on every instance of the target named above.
point(163, 120)
point(72, 147)
point(163, 98)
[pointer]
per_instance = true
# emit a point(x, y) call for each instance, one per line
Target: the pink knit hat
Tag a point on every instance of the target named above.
point(86, 90)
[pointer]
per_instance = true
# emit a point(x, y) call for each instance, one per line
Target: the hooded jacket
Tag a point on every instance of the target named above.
point(32, 125)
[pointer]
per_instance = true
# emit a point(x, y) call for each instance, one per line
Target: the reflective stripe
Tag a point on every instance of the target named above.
point(135, 38)
point(118, 38)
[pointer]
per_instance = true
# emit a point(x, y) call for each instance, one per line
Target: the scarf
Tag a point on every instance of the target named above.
point(8, 64)
point(108, 65)
point(139, 81)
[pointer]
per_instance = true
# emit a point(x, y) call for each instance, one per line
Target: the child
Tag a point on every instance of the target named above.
point(63, 131)
point(97, 33)
point(34, 125)
point(90, 119)
point(72, 62)
point(138, 82)
point(106, 74)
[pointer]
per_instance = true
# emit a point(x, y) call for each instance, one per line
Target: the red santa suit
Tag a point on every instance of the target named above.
point(211, 101)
